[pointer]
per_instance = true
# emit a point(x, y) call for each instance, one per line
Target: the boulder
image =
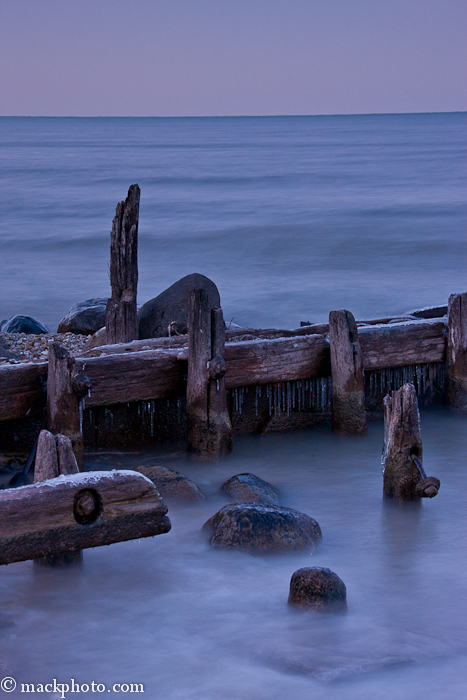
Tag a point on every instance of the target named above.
point(248, 488)
point(171, 307)
point(316, 588)
point(7, 355)
point(262, 529)
point(172, 486)
point(23, 324)
point(84, 318)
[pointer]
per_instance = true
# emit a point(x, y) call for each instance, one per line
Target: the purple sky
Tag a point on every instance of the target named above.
point(231, 57)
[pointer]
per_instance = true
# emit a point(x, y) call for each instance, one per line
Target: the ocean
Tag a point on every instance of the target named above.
point(291, 217)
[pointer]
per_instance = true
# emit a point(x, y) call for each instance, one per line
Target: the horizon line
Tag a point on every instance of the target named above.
point(223, 116)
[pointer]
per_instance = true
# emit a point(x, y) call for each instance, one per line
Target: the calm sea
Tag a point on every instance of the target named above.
point(290, 216)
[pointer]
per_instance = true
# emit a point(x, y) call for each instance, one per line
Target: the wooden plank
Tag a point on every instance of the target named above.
point(220, 428)
point(402, 344)
point(151, 374)
point(78, 511)
point(22, 387)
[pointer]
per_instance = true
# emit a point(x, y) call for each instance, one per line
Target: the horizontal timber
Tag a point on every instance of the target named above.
point(161, 371)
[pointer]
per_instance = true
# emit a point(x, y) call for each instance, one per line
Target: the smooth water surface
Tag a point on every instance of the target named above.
point(290, 216)
point(194, 623)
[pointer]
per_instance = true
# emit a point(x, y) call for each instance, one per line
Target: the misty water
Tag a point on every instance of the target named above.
point(291, 217)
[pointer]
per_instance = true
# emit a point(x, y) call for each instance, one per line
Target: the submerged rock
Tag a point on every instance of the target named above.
point(84, 318)
point(258, 528)
point(172, 485)
point(316, 588)
point(248, 488)
point(171, 307)
point(23, 324)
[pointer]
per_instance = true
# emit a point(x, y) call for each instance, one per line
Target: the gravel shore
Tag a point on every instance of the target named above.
point(34, 348)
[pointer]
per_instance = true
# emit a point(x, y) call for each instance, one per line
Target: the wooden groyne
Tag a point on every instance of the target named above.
point(242, 380)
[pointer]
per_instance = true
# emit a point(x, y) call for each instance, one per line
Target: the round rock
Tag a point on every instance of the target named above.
point(84, 318)
point(317, 588)
point(171, 307)
point(172, 485)
point(23, 324)
point(248, 488)
point(262, 529)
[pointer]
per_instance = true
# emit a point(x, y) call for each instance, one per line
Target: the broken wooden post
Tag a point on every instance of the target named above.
point(66, 387)
point(63, 515)
point(403, 473)
point(209, 429)
point(456, 352)
point(54, 457)
point(348, 386)
point(120, 320)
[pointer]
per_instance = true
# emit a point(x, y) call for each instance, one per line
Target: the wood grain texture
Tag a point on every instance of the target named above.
point(456, 352)
point(43, 519)
point(348, 386)
point(22, 387)
point(158, 373)
point(121, 321)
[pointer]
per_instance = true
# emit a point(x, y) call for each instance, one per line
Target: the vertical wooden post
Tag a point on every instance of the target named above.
point(209, 428)
point(65, 389)
point(403, 474)
point(121, 321)
point(55, 456)
point(456, 352)
point(199, 354)
point(348, 387)
point(220, 427)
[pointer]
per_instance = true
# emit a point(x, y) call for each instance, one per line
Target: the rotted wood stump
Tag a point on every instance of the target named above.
point(67, 384)
point(348, 385)
point(403, 474)
point(456, 352)
point(55, 456)
point(61, 516)
point(121, 321)
point(209, 427)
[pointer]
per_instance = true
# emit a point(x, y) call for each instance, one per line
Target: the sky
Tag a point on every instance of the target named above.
point(231, 57)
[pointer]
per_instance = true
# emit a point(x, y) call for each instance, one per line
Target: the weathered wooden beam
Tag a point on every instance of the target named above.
point(348, 385)
point(22, 388)
point(402, 344)
point(120, 321)
point(46, 466)
point(78, 511)
point(66, 386)
point(220, 440)
point(54, 457)
point(199, 355)
point(152, 374)
point(403, 474)
point(456, 352)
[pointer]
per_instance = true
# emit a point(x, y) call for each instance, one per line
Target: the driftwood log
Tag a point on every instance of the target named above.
point(403, 474)
point(209, 428)
point(457, 352)
point(348, 384)
point(77, 511)
point(120, 320)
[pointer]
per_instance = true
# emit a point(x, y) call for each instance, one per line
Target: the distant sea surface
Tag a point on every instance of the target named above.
point(290, 216)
